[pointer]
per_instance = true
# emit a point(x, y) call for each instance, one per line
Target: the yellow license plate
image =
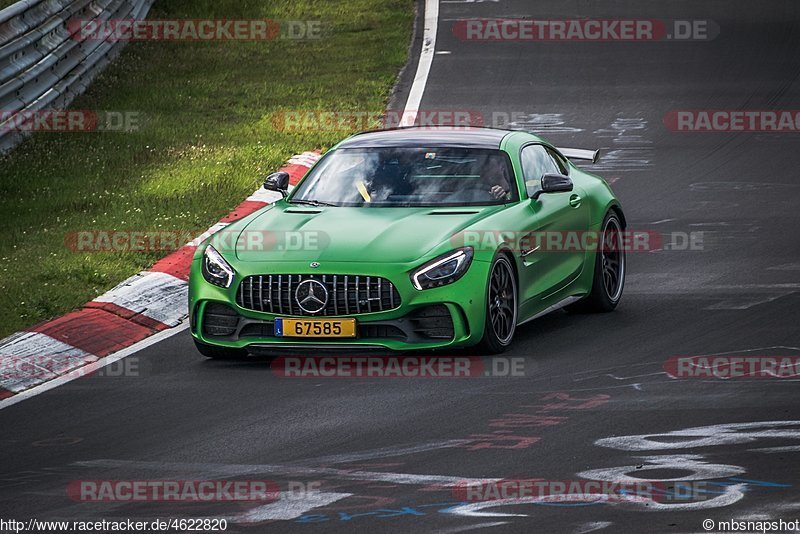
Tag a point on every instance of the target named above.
point(315, 327)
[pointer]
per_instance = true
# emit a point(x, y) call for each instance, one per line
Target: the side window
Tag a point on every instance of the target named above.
point(560, 163)
point(536, 162)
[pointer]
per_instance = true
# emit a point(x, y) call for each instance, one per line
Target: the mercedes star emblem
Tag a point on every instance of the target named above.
point(311, 295)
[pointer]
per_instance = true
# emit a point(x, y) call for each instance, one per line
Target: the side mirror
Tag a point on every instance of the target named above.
point(277, 181)
point(554, 183)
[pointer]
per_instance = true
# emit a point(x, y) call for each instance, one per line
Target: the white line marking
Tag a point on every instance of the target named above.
point(92, 367)
point(424, 65)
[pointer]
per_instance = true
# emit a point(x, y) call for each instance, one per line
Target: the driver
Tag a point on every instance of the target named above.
point(388, 180)
point(496, 174)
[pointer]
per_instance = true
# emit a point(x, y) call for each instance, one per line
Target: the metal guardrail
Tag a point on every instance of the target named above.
point(42, 66)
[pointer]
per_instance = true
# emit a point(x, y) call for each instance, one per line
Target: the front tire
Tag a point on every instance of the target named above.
point(609, 270)
point(501, 307)
point(219, 353)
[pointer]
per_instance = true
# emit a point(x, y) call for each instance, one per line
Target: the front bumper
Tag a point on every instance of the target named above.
point(444, 317)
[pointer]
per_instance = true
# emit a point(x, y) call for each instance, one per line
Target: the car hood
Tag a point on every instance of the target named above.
point(343, 234)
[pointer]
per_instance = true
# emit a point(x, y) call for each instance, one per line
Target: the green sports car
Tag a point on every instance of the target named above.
point(412, 238)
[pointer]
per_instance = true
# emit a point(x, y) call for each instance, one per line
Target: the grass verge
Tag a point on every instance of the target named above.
point(206, 139)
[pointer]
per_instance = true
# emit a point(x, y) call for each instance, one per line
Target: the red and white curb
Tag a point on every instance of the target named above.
point(140, 311)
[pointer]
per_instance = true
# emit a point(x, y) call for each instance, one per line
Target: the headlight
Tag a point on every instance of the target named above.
point(216, 270)
point(443, 270)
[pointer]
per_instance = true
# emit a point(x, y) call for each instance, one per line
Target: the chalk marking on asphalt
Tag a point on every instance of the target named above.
point(757, 349)
point(700, 470)
point(730, 495)
point(773, 450)
point(705, 436)
point(472, 527)
point(92, 367)
point(710, 289)
point(544, 123)
point(383, 452)
point(226, 470)
point(585, 528)
point(424, 64)
point(785, 267)
point(615, 377)
point(745, 304)
point(288, 507)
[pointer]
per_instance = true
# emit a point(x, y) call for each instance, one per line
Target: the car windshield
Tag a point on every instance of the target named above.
point(409, 177)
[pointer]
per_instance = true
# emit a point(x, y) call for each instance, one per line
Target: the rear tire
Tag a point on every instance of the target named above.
point(609, 270)
point(219, 353)
point(501, 307)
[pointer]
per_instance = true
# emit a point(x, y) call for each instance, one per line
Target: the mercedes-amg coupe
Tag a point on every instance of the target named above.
point(412, 238)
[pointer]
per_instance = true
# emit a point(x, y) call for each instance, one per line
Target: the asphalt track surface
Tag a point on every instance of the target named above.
point(380, 447)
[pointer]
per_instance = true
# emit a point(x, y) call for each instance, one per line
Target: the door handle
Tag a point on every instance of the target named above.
point(575, 201)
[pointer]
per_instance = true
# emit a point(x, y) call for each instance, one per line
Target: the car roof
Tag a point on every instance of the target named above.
point(456, 137)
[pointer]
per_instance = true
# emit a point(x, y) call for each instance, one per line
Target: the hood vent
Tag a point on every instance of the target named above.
point(304, 212)
point(453, 212)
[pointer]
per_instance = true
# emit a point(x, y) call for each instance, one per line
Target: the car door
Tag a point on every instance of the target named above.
point(549, 255)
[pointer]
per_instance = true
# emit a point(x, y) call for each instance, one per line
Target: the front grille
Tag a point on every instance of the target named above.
point(347, 294)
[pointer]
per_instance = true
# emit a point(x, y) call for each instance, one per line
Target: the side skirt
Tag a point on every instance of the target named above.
point(557, 306)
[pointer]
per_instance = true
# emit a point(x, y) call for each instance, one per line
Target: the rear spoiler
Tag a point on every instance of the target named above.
point(580, 153)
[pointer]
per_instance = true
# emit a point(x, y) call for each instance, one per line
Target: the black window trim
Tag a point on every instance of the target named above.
point(546, 146)
point(564, 160)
